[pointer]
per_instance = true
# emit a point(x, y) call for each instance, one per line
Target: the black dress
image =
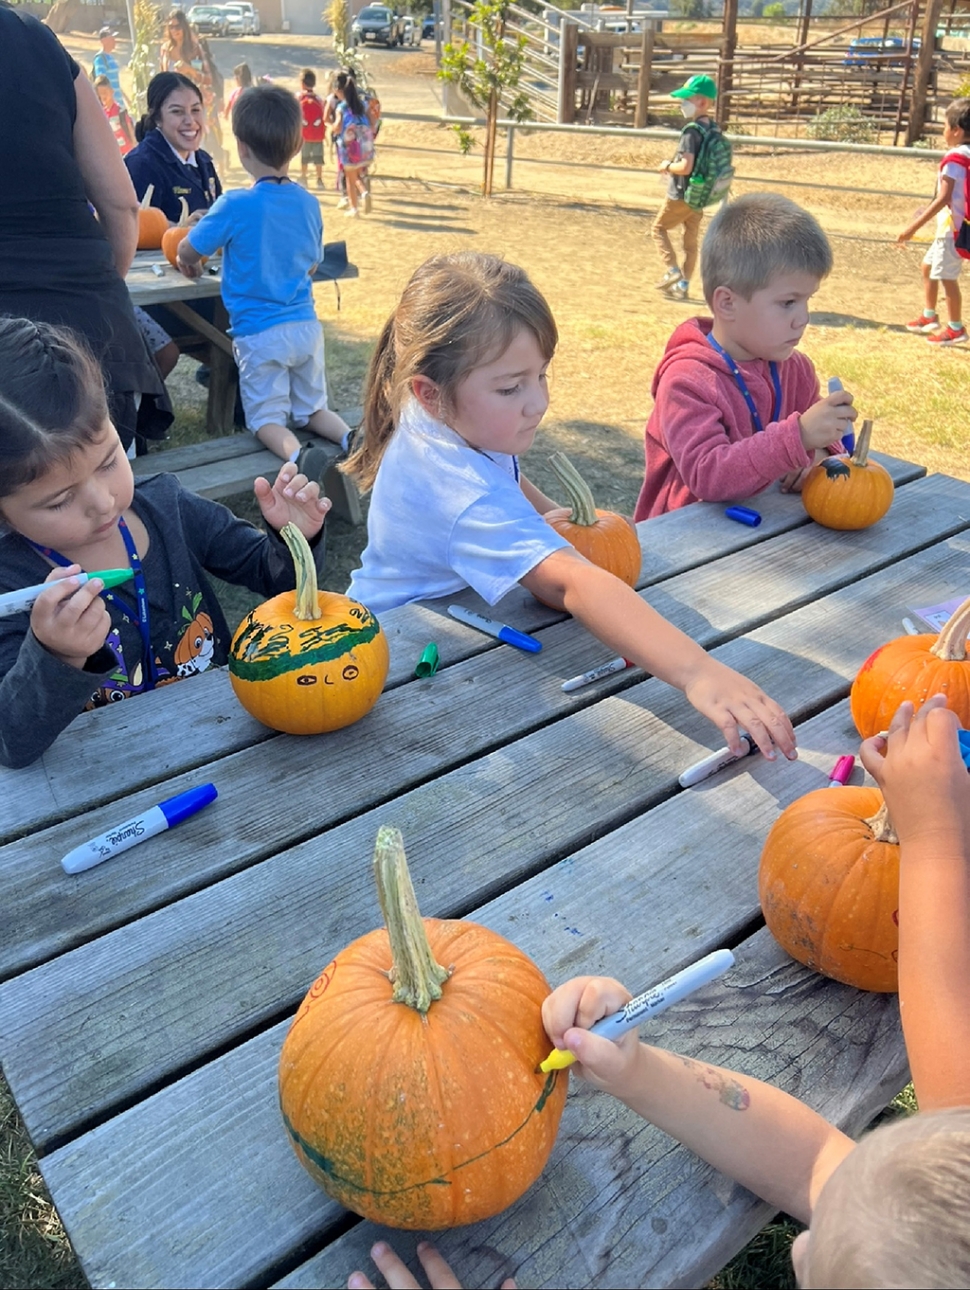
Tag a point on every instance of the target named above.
point(56, 264)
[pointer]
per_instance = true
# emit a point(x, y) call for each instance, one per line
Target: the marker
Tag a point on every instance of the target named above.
point(597, 674)
point(18, 602)
point(499, 630)
point(848, 439)
point(155, 820)
point(910, 628)
point(839, 775)
point(649, 1004)
point(715, 762)
point(158, 271)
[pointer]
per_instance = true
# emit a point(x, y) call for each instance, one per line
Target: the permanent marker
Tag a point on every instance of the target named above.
point(650, 1003)
point(500, 631)
point(839, 775)
point(597, 674)
point(848, 439)
point(151, 822)
point(716, 761)
point(18, 602)
point(909, 627)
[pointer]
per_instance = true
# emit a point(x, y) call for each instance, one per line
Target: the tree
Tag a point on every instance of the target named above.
point(344, 49)
point(141, 64)
point(488, 75)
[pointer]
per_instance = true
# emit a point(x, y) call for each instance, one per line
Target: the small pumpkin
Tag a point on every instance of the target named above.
point(603, 537)
point(914, 668)
point(308, 661)
point(172, 237)
point(410, 1091)
point(829, 886)
point(152, 224)
point(846, 492)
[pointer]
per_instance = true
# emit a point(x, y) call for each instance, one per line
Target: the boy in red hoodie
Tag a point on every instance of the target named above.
point(736, 406)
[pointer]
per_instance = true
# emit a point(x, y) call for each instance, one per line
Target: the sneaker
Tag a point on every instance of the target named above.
point(313, 462)
point(352, 212)
point(670, 277)
point(320, 183)
point(923, 325)
point(365, 202)
point(676, 290)
point(343, 204)
point(949, 337)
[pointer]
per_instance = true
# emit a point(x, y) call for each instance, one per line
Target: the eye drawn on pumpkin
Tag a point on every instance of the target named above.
point(350, 672)
point(306, 680)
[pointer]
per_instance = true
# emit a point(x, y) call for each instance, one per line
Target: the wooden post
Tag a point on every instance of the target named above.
point(568, 51)
point(725, 74)
point(643, 78)
point(924, 69)
point(801, 39)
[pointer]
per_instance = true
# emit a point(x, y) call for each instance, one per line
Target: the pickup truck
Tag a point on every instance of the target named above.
point(378, 24)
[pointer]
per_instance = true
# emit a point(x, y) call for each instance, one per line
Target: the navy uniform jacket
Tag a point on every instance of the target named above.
point(154, 162)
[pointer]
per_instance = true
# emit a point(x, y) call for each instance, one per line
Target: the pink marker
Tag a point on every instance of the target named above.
point(841, 771)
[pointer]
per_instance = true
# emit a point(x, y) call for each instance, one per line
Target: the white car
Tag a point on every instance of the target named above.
point(412, 32)
point(248, 14)
point(235, 19)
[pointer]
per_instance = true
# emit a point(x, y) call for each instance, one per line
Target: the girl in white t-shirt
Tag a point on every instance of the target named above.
point(456, 390)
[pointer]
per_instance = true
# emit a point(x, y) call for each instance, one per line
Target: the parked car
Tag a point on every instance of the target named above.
point(427, 27)
point(377, 24)
point(877, 52)
point(235, 20)
point(411, 34)
point(208, 20)
point(250, 16)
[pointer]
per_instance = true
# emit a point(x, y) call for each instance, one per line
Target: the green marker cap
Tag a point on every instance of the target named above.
point(112, 577)
point(428, 662)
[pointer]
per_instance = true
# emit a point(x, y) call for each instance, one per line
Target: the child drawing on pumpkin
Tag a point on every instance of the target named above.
point(455, 392)
point(69, 504)
point(736, 406)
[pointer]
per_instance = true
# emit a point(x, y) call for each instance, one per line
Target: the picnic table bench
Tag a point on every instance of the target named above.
point(143, 1004)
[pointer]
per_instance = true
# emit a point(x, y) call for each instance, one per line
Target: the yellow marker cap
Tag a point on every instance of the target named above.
point(557, 1060)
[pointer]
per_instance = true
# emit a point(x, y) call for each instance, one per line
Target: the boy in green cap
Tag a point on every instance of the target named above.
point(697, 99)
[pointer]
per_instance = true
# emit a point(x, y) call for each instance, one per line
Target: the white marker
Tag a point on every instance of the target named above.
point(716, 761)
point(597, 673)
point(909, 627)
point(154, 821)
point(649, 1004)
point(19, 602)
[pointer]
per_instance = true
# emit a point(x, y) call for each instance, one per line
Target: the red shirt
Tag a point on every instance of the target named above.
point(113, 113)
point(314, 129)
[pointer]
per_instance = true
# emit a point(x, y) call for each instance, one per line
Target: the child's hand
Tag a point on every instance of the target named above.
point(189, 269)
point(292, 499)
point(397, 1276)
point(827, 420)
point(567, 1015)
point(730, 700)
point(73, 622)
point(921, 774)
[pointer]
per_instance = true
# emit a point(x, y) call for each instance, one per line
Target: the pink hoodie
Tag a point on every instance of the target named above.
point(700, 441)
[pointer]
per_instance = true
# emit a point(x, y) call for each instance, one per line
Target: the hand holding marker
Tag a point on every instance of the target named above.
point(848, 439)
point(21, 602)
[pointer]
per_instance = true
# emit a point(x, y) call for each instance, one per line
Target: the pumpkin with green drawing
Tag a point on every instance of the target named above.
point(308, 661)
point(409, 1081)
point(846, 492)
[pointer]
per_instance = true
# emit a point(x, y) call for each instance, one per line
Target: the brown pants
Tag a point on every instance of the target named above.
point(671, 214)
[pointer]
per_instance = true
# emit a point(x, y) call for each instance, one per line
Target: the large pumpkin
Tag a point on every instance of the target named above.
point(308, 661)
point(914, 668)
point(603, 537)
point(848, 492)
point(152, 224)
point(411, 1091)
point(829, 886)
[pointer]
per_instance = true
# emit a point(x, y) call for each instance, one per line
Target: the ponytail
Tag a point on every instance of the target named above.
point(379, 413)
point(348, 87)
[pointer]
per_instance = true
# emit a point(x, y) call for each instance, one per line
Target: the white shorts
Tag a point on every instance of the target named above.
point(282, 375)
point(945, 264)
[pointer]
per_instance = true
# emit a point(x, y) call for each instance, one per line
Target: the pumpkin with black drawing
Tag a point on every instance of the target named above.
point(913, 668)
point(308, 661)
point(846, 492)
point(829, 886)
point(409, 1081)
point(152, 224)
point(603, 537)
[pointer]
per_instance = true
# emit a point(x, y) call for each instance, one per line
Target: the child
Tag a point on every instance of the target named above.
point(697, 100)
point(243, 76)
point(894, 1210)
point(68, 503)
point(105, 64)
point(941, 262)
point(314, 128)
point(118, 118)
point(354, 137)
point(272, 240)
point(735, 406)
point(455, 391)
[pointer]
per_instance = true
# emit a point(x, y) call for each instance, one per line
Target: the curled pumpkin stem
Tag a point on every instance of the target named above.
point(881, 825)
point(307, 607)
point(184, 216)
point(951, 644)
point(416, 975)
point(577, 490)
point(861, 454)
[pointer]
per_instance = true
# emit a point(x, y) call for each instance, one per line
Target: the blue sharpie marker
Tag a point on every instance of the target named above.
point(147, 825)
point(500, 631)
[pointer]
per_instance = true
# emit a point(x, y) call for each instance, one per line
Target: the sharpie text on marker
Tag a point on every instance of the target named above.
point(151, 822)
point(717, 761)
point(19, 602)
point(597, 673)
point(501, 631)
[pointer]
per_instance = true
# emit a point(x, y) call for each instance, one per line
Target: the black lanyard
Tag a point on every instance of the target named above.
point(742, 385)
point(141, 620)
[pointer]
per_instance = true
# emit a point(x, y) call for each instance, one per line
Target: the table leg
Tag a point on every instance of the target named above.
point(223, 381)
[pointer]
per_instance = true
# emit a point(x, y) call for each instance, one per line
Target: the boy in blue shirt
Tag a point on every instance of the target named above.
point(105, 64)
point(272, 240)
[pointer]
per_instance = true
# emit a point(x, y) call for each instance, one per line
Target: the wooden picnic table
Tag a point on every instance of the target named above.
point(143, 1003)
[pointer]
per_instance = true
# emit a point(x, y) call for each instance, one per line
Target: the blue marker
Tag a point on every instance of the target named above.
point(153, 821)
point(848, 439)
point(500, 631)
point(964, 737)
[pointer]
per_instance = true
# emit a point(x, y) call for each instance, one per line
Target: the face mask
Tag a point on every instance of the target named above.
point(689, 109)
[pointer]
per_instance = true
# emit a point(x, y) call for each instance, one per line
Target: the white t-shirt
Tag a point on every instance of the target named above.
point(444, 516)
point(951, 217)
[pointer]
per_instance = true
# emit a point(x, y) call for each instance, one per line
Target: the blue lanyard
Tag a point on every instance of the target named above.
point(742, 385)
point(142, 621)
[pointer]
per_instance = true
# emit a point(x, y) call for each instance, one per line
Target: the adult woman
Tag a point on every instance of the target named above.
point(184, 51)
point(58, 263)
point(168, 156)
point(354, 138)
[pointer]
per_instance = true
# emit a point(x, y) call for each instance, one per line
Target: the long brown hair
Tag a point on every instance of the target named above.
point(457, 313)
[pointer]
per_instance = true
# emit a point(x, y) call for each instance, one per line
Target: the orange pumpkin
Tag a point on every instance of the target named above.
point(152, 224)
point(848, 492)
point(308, 661)
point(603, 537)
point(914, 668)
point(829, 886)
point(410, 1091)
point(172, 237)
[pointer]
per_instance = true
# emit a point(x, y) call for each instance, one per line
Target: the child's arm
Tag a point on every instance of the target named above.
point(927, 791)
point(765, 1139)
point(188, 260)
point(682, 167)
point(614, 613)
point(292, 499)
point(941, 199)
point(537, 497)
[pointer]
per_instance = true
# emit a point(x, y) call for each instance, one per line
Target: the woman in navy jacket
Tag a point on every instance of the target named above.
point(168, 156)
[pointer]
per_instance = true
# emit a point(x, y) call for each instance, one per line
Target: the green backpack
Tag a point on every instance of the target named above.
point(710, 179)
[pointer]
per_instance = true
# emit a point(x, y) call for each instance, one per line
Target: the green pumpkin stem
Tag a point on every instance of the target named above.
point(951, 644)
point(861, 454)
point(881, 825)
point(415, 975)
point(307, 607)
point(577, 490)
